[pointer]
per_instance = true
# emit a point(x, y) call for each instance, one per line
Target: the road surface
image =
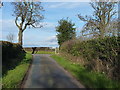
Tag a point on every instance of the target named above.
point(46, 73)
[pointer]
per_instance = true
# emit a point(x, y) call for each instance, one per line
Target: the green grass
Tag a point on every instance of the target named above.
point(42, 52)
point(87, 78)
point(13, 77)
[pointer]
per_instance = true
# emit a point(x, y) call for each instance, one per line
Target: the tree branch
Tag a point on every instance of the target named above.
point(16, 22)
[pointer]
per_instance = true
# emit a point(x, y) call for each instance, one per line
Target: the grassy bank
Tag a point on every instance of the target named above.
point(42, 52)
point(13, 77)
point(87, 78)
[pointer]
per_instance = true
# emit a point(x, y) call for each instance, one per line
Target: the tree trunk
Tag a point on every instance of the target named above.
point(102, 31)
point(20, 35)
point(102, 34)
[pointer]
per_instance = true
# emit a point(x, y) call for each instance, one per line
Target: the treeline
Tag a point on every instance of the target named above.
point(99, 55)
point(12, 54)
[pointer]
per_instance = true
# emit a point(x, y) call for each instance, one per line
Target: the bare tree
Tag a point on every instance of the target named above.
point(10, 37)
point(112, 28)
point(27, 14)
point(102, 16)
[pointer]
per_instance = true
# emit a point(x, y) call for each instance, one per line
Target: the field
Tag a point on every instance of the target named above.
point(42, 52)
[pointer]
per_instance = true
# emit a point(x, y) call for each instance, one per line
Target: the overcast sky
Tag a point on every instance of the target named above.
point(45, 36)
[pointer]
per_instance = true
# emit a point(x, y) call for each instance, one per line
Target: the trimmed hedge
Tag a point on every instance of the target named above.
point(97, 52)
point(12, 54)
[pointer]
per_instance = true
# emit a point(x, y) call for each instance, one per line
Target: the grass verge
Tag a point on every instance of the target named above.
point(14, 77)
point(87, 78)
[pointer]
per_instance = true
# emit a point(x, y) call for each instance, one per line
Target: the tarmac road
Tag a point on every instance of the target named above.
point(46, 73)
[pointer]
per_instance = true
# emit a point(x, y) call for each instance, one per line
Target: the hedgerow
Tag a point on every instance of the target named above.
point(12, 54)
point(98, 54)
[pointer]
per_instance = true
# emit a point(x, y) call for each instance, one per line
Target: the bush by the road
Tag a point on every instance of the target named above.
point(100, 55)
point(12, 54)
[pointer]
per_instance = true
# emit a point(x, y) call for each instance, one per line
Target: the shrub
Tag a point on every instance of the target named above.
point(97, 52)
point(12, 54)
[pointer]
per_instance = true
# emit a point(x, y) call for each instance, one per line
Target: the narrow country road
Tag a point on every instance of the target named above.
point(46, 73)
